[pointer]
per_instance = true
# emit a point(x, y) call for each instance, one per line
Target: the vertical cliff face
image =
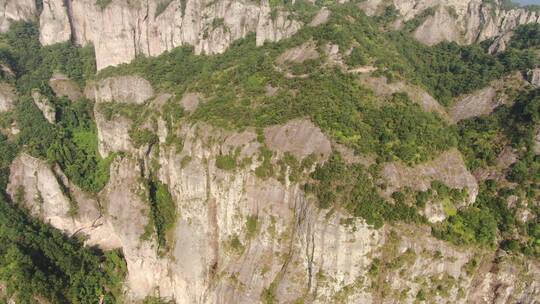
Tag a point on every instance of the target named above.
point(16, 10)
point(465, 22)
point(124, 29)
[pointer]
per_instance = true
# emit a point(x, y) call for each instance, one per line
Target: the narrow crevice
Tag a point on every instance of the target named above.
point(69, 12)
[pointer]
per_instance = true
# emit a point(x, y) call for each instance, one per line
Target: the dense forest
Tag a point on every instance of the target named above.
point(38, 261)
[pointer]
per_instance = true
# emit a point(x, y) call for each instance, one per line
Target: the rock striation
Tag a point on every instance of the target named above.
point(122, 29)
point(462, 21)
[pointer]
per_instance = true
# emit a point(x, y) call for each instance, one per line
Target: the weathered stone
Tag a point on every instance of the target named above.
point(45, 106)
point(301, 138)
point(65, 87)
point(124, 89)
point(8, 96)
point(16, 10)
point(54, 22)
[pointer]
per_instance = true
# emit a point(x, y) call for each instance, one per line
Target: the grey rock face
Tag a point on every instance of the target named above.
point(45, 106)
point(16, 10)
point(449, 168)
point(484, 101)
point(294, 251)
point(65, 87)
point(125, 29)
point(54, 22)
point(534, 77)
point(7, 97)
point(124, 89)
point(462, 21)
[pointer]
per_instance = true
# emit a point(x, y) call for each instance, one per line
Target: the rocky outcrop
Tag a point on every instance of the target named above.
point(462, 21)
point(125, 29)
point(54, 24)
point(48, 195)
point(449, 168)
point(16, 10)
point(534, 77)
point(242, 239)
point(484, 101)
point(113, 132)
point(299, 54)
point(62, 86)
point(45, 106)
point(123, 89)
point(7, 97)
point(190, 101)
point(301, 138)
point(382, 87)
point(440, 27)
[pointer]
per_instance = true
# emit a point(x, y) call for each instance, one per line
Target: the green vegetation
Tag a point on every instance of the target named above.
point(163, 213)
point(226, 162)
point(36, 260)
point(162, 6)
point(526, 36)
point(352, 188)
point(156, 300)
point(419, 19)
point(72, 142)
point(103, 3)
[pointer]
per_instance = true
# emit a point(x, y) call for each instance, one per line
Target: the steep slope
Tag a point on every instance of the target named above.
point(120, 30)
point(347, 163)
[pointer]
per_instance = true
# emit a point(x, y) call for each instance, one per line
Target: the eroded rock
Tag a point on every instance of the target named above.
point(54, 22)
point(40, 190)
point(65, 87)
point(299, 54)
point(447, 168)
point(534, 77)
point(124, 89)
point(8, 96)
point(16, 10)
point(484, 101)
point(299, 137)
point(125, 29)
point(45, 106)
point(382, 87)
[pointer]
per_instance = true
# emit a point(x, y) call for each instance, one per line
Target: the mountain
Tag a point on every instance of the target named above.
point(377, 151)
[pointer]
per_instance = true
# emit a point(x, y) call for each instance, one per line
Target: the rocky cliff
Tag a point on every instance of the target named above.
point(124, 29)
point(241, 238)
point(244, 223)
point(120, 30)
point(465, 22)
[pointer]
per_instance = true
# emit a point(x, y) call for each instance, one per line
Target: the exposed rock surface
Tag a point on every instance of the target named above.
point(382, 87)
point(484, 101)
point(125, 29)
point(534, 77)
point(125, 89)
point(54, 22)
point(45, 106)
point(321, 17)
point(448, 168)
point(7, 97)
point(190, 101)
point(298, 137)
point(294, 252)
point(299, 54)
point(65, 87)
point(16, 10)
point(463, 21)
point(74, 212)
point(440, 27)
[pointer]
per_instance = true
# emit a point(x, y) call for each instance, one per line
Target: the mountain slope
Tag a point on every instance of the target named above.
point(332, 166)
